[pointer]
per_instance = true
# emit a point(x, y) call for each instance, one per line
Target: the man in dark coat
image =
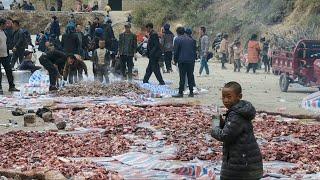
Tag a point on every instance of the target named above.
point(185, 55)
point(242, 159)
point(59, 5)
point(83, 42)
point(4, 58)
point(108, 34)
point(127, 50)
point(70, 41)
point(96, 24)
point(154, 53)
point(19, 43)
point(55, 27)
point(53, 61)
point(9, 33)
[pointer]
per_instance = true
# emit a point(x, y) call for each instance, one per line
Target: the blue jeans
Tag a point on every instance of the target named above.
point(204, 64)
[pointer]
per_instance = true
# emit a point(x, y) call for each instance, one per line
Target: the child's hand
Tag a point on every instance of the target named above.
point(222, 122)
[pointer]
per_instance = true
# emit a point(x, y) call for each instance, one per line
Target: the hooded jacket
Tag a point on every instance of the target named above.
point(253, 51)
point(242, 159)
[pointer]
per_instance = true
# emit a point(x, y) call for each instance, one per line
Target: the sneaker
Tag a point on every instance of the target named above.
point(13, 89)
point(177, 96)
point(191, 95)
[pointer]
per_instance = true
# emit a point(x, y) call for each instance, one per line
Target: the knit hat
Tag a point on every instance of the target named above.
point(166, 26)
point(188, 31)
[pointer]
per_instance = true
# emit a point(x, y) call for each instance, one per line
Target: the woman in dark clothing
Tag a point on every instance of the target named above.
point(70, 41)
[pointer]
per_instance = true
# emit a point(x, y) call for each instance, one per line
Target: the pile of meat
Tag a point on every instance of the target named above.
point(290, 142)
point(98, 89)
point(186, 126)
point(31, 150)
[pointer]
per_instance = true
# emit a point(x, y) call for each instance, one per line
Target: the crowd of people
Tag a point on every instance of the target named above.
point(97, 42)
point(25, 5)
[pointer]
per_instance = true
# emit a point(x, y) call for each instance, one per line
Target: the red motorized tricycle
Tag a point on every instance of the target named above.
point(301, 66)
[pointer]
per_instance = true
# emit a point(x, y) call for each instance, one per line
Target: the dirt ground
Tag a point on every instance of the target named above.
point(261, 89)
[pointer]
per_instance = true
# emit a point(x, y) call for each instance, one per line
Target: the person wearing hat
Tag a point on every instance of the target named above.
point(127, 50)
point(73, 69)
point(27, 63)
point(4, 58)
point(167, 46)
point(53, 61)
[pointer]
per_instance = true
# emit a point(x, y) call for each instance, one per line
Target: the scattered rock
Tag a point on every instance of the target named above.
point(29, 120)
point(61, 125)
point(47, 117)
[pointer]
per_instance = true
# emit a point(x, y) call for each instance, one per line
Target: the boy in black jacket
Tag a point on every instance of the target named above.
point(242, 159)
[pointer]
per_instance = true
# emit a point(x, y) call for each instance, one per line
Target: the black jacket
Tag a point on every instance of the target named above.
point(19, 40)
point(55, 28)
point(70, 43)
point(9, 34)
point(108, 35)
point(56, 57)
point(185, 49)
point(242, 159)
point(153, 49)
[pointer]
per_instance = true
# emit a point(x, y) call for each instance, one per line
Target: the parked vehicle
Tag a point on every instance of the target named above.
point(301, 65)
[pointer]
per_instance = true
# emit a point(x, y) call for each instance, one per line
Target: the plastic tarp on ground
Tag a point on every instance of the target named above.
point(312, 102)
point(33, 103)
point(165, 91)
